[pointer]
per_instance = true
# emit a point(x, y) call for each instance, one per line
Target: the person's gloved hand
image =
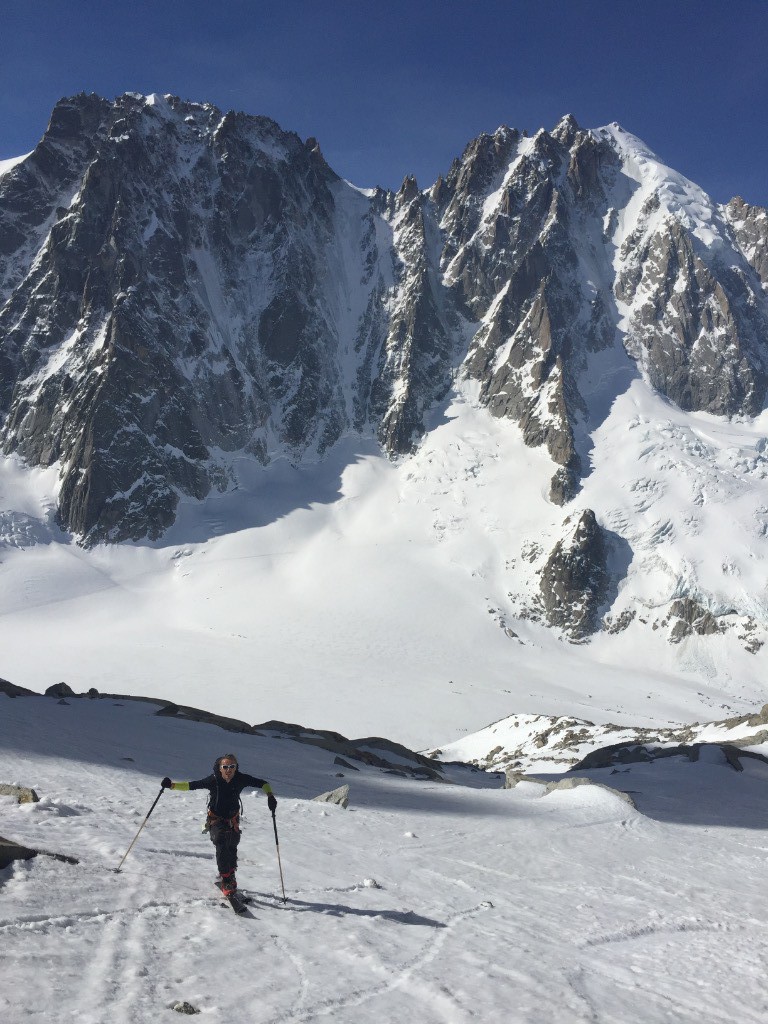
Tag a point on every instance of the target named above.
point(166, 783)
point(271, 802)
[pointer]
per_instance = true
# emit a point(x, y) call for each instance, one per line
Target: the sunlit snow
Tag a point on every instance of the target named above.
point(425, 901)
point(400, 598)
point(393, 588)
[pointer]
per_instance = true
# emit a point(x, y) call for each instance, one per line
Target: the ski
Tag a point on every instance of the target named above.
point(236, 900)
point(244, 896)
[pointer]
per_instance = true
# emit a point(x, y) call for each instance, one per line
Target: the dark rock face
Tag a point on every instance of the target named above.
point(750, 227)
point(11, 690)
point(181, 284)
point(691, 618)
point(514, 267)
point(695, 331)
point(574, 579)
point(420, 349)
point(178, 284)
point(181, 302)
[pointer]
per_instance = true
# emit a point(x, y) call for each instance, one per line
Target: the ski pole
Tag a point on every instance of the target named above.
point(117, 869)
point(277, 847)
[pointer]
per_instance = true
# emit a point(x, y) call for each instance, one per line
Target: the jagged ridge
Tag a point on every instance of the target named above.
point(180, 286)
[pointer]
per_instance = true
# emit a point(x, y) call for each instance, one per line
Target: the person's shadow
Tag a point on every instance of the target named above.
point(338, 909)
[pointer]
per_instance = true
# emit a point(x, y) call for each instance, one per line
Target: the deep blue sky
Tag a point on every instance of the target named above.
point(400, 87)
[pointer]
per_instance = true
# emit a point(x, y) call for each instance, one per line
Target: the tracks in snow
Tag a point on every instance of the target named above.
point(43, 922)
point(403, 976)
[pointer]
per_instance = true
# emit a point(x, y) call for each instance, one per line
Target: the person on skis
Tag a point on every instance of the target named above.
point(223, 824)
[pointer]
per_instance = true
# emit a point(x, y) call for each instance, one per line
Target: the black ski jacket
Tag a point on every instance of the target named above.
point(224, 796)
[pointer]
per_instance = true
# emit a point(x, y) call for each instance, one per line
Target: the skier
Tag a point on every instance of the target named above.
point(224, 806)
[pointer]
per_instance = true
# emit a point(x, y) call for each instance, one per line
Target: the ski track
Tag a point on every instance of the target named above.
point(66, 921)
point(126, 970)
point(639, 1003)
point(575, 980)
point(108, 974)
point(440, 905)
point(656, 928)
point(303, 980)
point(432, 996)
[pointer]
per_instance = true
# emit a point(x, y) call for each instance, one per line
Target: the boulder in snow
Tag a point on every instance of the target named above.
point(60, 690)
point(184, 1007)
point(11, 851)
point(23, 794)
point(338, 796)
point(572, 782)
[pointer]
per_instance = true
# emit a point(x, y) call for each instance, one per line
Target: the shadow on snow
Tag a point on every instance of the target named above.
point(341, 910)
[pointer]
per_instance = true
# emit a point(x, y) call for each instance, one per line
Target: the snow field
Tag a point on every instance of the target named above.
point(372, 597)
point(491, 903)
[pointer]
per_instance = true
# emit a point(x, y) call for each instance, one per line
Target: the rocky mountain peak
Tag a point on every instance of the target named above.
point(409, 190)
point(565, 130)
point(181, 287)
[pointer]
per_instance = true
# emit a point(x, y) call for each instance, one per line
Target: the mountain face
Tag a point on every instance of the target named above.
point(179, 286)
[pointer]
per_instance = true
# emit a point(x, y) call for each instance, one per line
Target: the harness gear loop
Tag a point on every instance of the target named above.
point(233, 822)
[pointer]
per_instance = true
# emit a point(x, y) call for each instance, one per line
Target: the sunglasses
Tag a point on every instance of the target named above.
point(228, 767)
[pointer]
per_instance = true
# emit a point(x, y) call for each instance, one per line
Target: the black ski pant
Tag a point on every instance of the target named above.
point(225, 839)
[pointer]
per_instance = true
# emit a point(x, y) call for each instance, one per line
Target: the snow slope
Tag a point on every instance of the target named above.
point(9, 164)
point(402, 596)
point(677, 195)
point(371, 596)
point(423, 901)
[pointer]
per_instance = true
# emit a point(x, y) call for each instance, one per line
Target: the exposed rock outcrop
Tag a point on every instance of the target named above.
point(750, 226)
point(338, 796)
point(629, 753)
point(691, 618)
point(60, 690)
point(11, 851)
point(514, 778)
point(11, 690)
point(574, 578)
point(22, 794)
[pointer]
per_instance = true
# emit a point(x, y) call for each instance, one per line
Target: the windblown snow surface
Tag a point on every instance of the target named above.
point(425, 901)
